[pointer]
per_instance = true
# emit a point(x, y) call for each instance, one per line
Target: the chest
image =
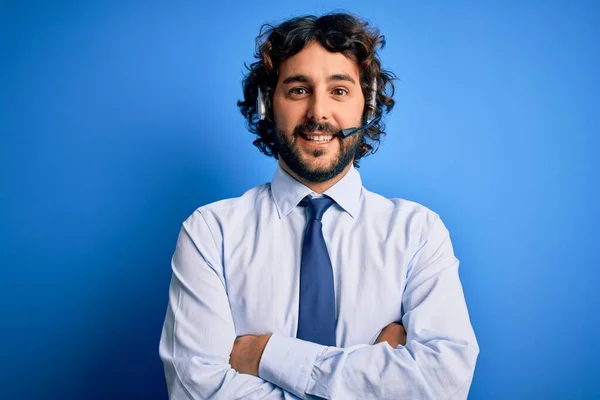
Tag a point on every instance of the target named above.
point(262, 270)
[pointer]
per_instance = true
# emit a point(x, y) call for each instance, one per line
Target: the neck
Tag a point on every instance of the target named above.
point(317, 187)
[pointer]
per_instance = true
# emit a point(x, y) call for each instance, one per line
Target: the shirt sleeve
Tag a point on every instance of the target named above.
point(437, 362)
point(198, 332)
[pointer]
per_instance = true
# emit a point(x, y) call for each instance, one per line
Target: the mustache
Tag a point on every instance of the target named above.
point(312, 126)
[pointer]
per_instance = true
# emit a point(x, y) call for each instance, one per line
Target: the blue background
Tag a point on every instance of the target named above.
point(118, 119)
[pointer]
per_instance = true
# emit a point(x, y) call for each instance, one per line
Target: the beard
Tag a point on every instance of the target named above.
point(288, 151)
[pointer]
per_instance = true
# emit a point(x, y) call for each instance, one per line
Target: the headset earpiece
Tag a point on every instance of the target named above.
point(261, 106)
point(372, 107)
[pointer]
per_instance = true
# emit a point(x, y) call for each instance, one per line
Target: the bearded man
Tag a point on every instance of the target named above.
point(311, 286)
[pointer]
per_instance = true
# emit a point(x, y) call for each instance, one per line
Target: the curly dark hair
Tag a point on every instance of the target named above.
point(339, 32)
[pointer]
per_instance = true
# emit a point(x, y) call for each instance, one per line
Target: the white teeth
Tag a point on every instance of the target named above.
point(320, 138)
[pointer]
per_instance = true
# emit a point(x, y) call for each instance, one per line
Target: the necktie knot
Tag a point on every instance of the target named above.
point(317, 207)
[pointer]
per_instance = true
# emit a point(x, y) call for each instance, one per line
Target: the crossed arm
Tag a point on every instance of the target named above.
point(248, 349)
point(204, 359)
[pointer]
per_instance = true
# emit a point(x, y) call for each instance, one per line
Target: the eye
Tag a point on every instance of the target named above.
point(339, 92)
point(298, 91)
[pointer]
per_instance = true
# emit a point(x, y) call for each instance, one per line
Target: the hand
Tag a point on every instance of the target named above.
point(394, 334)
point(246, 353)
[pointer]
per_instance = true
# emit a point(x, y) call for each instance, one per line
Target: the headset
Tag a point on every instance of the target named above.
point(262, 100)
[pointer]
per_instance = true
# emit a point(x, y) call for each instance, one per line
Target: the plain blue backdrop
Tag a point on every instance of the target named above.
point(118, 119)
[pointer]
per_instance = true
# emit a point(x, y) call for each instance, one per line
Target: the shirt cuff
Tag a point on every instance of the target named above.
point(288, 362)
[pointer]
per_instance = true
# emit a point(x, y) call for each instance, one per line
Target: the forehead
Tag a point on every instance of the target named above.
point(316, 63)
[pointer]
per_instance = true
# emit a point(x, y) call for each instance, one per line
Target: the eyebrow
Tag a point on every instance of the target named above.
point(296, 78)
point(340, 77)
point(305, 79)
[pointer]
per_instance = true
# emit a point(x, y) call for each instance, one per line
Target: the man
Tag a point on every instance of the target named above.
point(312, 286)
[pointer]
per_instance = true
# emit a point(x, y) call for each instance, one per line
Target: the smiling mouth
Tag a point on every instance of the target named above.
point(318, 138)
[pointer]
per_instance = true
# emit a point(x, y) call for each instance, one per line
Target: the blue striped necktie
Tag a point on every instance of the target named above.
point(316, 320)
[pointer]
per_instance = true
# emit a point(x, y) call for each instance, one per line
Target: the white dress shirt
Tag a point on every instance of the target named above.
point(236, 272)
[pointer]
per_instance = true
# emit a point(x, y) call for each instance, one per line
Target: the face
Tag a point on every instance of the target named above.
point(317, 94)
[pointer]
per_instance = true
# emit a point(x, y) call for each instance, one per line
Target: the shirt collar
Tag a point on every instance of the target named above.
point(288, 192)
point(346, 193)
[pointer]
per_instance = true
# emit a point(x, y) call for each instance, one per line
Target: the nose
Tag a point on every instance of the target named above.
point(319, 109)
